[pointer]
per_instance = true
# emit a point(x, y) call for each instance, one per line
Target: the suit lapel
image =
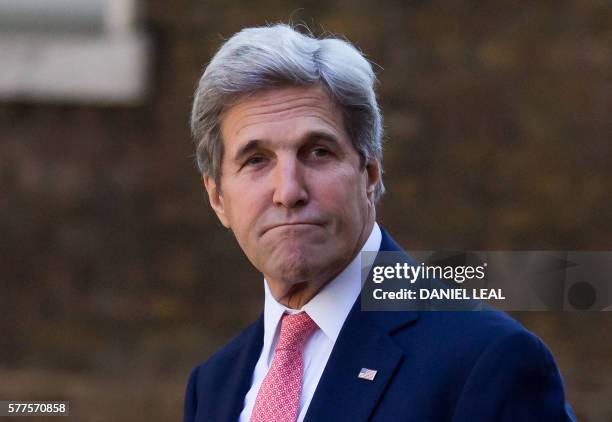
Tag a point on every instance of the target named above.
point(364, 342)
point(341, 395)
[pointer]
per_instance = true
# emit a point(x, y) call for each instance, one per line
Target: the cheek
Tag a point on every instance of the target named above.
point(243, 207)
point(345, 198)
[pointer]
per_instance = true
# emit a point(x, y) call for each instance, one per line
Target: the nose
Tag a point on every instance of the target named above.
point(289, 184)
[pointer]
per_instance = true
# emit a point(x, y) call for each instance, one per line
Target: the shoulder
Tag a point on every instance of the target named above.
point(209, 379)
point(507, 371)
point(486, 363)
point(219, 361)
point(452, 345)
point(469, 333)
point(232, 347)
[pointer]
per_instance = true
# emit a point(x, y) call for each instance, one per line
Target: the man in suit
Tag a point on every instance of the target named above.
point(288, 135)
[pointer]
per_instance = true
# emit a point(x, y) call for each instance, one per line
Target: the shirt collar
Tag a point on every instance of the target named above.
point(330, 307)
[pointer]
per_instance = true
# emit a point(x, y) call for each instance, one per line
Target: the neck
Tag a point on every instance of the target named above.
point(297, 295)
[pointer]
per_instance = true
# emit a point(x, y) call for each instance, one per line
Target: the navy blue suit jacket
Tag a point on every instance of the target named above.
point(432, 366)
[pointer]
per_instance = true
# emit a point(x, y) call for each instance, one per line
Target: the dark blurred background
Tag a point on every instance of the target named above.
point(117, 278)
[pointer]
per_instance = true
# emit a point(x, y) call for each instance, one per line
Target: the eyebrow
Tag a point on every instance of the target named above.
point(255, 144)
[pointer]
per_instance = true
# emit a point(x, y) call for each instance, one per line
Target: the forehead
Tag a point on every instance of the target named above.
point(283, 113)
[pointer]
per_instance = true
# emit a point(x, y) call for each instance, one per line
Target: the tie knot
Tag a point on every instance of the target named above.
point(295, 330)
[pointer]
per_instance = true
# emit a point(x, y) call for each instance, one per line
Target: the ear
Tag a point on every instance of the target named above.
point(216, 199)
point(372, 169)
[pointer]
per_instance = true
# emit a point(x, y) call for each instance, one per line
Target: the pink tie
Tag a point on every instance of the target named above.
point(278, 399)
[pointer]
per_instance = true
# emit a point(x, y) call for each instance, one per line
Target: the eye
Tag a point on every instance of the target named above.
point(255, 160)
point(319, 152)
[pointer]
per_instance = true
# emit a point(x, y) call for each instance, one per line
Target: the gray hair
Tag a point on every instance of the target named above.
point(257, 59)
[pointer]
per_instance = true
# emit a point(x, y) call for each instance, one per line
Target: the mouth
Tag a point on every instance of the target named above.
point(296, 225)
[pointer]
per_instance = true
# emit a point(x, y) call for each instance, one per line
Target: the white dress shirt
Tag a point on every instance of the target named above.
point(328, 309)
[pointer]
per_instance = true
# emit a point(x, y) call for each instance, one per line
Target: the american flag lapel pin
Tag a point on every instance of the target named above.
point(367, 374)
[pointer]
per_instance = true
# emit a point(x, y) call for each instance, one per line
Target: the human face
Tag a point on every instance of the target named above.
point(293, 189)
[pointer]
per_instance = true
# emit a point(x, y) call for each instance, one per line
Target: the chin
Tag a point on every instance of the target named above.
point(297, 268)
point(294, 266)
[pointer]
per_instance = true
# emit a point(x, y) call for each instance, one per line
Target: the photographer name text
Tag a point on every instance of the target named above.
point(439, 294)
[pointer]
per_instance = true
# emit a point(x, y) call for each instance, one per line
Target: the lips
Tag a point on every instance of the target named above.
point(290, 224)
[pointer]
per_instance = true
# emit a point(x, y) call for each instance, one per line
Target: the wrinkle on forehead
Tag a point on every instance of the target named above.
point(280, 104)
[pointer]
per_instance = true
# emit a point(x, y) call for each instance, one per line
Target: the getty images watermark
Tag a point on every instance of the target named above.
point(481, 280)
